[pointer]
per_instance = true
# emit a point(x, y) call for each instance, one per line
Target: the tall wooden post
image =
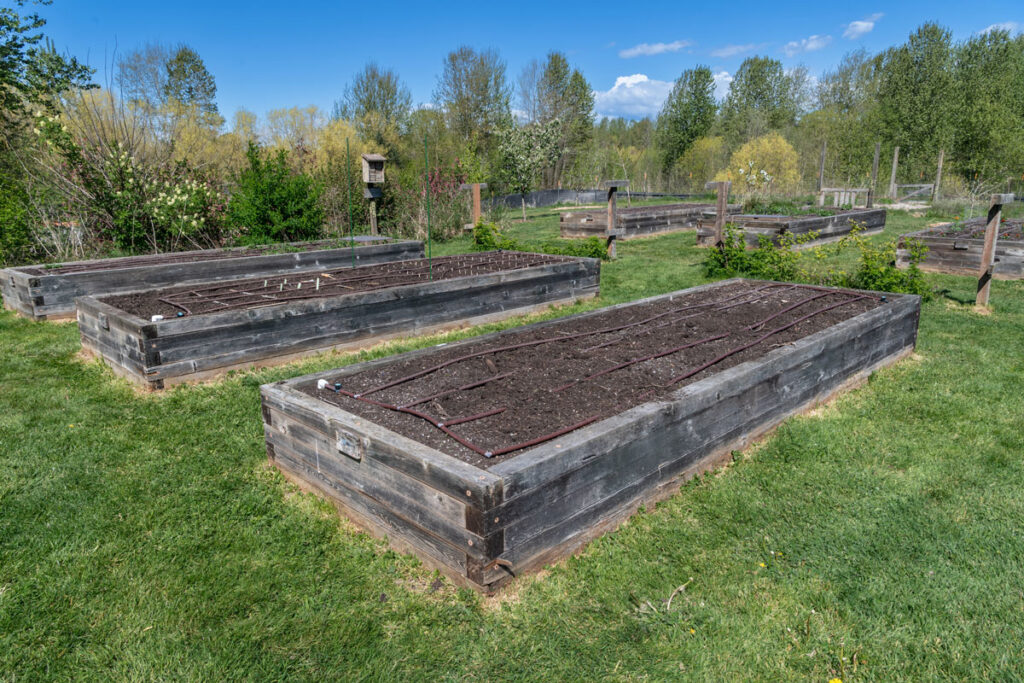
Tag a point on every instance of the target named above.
point(892, 178)
point(476, 211)
point(938, 176)
point(611, 227)
point(874, 175)
point(821, 165)
point(721, 208)
point(988, 253)
point(373, 217)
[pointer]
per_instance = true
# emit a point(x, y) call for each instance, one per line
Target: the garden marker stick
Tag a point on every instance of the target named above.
point(426, 180)
point(348, 178)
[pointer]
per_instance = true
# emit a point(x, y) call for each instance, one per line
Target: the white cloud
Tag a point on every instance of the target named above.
point(632, 97)
point(809, 44)
point(856, 29)
point(1011, 26)
point(722, 81)
point(733, 50)
point(648, 49)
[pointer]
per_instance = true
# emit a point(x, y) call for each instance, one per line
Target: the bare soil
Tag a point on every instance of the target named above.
point(193, 256)
point(530, 385)
point(258, 292)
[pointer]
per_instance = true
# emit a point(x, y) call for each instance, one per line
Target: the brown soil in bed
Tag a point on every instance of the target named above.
point(974, 228)
point(541, 389)
point(259, 292)
point(195, 256)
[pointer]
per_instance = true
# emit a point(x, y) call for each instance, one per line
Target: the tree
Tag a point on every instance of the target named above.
point(524, 152)
point(762, 165)
point(190, 84)
point(917, 98)
point(272, 203)
point(142, 76)
point(762, 97)
point(989, 123)
point(688, 114)
point(378, 104)
point(474, 95)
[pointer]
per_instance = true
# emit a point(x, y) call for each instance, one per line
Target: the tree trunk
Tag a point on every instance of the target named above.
point(523, 199)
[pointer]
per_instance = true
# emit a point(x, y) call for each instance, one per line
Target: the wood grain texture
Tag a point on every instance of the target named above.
point(545, 503)
point(48, 297)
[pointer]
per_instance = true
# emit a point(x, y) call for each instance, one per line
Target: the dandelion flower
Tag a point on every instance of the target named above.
point(762, 564)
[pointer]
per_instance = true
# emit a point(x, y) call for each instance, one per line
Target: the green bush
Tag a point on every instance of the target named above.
point(876, 264)
point(273, 203)
point(15, 234)
point(487, 237)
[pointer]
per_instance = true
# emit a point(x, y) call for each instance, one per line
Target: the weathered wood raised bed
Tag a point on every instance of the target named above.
point(637, 221)
point(482, 520)
point(198, 346)
point(960, 254)
point(829, 228)
point(48, 291)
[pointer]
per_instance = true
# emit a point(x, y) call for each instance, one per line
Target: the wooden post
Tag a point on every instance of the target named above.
point(721, 208)
point(892, 178)
point(373, 217)
point(611, 227)
point(821, 166)
point(988, 253)
point(475, 211)
point(874, 176)
point(938, 176)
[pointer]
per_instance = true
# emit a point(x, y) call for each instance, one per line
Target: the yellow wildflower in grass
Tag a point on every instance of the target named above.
point(763, 564)
point(835, 680)
point(692, 631)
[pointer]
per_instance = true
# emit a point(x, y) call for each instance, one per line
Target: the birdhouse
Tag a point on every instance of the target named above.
point(373, 168)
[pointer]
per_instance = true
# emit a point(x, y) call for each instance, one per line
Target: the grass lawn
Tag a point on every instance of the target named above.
point(879, 538)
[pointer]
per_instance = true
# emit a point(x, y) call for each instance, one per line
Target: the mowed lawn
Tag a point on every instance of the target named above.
point(878, 538)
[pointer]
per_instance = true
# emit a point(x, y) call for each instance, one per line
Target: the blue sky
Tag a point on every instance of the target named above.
point(267, 55)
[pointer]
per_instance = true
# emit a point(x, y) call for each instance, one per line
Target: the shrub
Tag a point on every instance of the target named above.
point(273, 203)
point(487, 237)
point(763, 165)
point(407, 202)
point(876, 264)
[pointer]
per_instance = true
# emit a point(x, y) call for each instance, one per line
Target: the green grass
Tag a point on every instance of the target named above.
point(144, 536)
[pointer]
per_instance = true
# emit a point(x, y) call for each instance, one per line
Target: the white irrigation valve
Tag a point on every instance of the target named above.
point(156, 318)
point(321, 384)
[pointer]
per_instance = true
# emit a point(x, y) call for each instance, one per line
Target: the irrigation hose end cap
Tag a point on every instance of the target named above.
point(488, 454)
point(181, 314)
point(156, 318)
point(321, 384)
point(337, 386)
point(884, 299)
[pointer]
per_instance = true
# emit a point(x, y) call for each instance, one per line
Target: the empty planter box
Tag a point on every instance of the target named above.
point(829, 228)
point(497, 455)
point(180, 334)
point(48, 291)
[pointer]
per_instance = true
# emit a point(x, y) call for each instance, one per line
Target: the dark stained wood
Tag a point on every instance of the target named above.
point(53, 295)
point(539, 506)
point(193, 348)
point(829, 228)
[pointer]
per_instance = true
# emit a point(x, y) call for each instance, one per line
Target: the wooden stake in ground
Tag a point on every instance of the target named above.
point(721, 208)
point(988, 253)
point(476, 212)
point(874, 176)
point(611, 227)
point(892, 178)
point(938, 175)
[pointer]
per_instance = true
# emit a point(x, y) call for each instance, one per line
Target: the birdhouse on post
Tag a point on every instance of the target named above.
point(373, 174)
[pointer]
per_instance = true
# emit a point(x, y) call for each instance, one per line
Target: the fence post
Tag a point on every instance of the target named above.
point(988, 254)
point(611, 227)
point(938, 176)
point(874, 176)
point(892, 178)
point(721, 208)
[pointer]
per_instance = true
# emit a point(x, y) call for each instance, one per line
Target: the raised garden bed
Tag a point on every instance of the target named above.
point(638, 221)
point(831, 227)
point(209, 329)
point(956, 248)
point(497, 455)
point(48, 292)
